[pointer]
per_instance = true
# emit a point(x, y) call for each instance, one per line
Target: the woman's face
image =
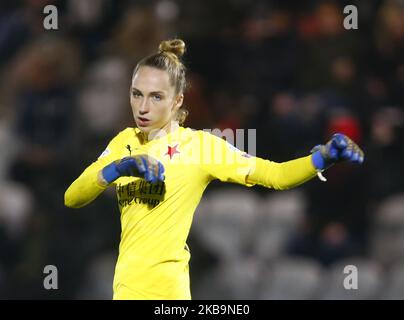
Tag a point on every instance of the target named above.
point(153, 99)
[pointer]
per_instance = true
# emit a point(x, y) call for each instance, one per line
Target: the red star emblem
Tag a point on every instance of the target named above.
point(172, 151)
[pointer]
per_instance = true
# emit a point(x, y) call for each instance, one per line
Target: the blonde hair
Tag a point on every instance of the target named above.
point(168, 58)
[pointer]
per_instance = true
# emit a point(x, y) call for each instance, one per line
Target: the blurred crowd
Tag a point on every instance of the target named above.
point(286, 68)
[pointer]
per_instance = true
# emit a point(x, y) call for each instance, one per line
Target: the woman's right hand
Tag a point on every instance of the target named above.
point(142, 166)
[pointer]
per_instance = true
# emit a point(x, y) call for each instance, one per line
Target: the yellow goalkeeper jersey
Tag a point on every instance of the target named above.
point(156, 218)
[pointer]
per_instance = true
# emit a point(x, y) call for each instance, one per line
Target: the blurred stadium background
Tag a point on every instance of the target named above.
point(287, 68)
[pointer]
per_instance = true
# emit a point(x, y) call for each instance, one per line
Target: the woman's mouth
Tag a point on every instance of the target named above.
point(143, 122)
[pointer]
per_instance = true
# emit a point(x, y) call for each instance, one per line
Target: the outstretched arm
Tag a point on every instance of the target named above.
point(283, 175)
point(292, 173)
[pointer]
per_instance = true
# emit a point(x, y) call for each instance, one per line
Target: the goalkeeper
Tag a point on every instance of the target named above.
point(160, 170)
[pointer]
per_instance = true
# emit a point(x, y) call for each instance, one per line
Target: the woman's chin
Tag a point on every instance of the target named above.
point(144, 128)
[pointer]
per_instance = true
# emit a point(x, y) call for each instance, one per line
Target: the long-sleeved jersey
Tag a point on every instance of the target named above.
point(156, 218)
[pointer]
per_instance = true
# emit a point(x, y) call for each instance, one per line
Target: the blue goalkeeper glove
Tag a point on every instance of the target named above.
point(339, 148)
point(142, 166)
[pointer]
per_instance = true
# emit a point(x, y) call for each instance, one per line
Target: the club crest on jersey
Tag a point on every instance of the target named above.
point(172, 151)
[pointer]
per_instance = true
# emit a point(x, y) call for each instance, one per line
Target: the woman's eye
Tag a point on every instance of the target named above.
point(136, 94)
point(157, 97)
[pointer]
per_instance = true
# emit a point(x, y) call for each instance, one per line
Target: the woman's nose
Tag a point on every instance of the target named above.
point(144, 108)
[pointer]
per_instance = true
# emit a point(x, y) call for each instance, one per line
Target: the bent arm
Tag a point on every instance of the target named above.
point(284, 175)
point(87, 187)
point(91, 183)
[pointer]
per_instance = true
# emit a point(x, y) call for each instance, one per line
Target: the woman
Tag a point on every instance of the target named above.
point(160, 170)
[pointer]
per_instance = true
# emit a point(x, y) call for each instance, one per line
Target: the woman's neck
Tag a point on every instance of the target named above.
point(159, 133)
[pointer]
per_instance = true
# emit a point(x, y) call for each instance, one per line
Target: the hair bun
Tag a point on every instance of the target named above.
point(175, 46)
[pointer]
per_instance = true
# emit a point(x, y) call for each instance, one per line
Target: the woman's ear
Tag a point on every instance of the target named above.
point(178, 101)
